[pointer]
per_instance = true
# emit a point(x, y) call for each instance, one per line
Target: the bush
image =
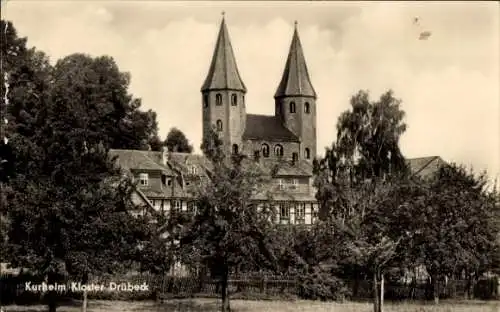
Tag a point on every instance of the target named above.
point(322, 285)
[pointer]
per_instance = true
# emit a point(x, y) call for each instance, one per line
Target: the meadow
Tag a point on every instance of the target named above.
point(212, 305)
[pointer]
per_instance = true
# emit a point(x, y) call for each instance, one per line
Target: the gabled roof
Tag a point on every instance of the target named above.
point(138, 159)
point(223, 72)
point(425, 167)
point(267, 128)
point(301, 168)
point(295, 80)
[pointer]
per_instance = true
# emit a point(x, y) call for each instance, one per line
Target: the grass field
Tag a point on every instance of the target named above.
point(209, 305)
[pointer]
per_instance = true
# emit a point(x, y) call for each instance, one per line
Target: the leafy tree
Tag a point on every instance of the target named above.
point(454, 226)
point(229, 230)
point(177, 142)
point(100, 92)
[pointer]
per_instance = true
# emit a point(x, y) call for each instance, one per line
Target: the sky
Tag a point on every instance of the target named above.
point(448, 84)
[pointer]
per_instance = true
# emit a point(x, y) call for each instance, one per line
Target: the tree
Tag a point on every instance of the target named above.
point(229, 229)
point(454, 226)
point(177, 142)
point(100, 92)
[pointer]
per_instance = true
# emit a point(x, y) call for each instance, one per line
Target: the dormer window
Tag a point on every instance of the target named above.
point(307, 108)
point(292, 107)
point(218, 99)
point(143, 179)
point(278, 150)
point(234, 99)
point(193, 170)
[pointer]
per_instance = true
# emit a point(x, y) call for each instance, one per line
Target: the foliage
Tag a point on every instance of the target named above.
point(320, 284)
point(177, 142)
point(229, 230)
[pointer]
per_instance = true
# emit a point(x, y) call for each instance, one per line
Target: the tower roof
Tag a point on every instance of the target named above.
point(223, 72)
point(295, 80)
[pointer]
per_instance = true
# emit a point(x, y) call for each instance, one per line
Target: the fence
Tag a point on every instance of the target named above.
point(244, 287)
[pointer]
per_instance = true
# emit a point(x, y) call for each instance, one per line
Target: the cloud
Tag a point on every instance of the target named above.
point(448, 84)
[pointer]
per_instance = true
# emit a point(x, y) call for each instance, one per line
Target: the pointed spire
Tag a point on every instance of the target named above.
point(295, 80)
point(223, 72)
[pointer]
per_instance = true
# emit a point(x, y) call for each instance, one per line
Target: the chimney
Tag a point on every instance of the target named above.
point(164, 155)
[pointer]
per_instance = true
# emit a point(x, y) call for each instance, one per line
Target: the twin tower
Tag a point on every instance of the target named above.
point(289, 134)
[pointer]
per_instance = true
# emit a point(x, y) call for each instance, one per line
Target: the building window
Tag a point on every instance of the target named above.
point(143, 179)
point(300, 213)
point(218, 99)
point(295, 157)
point(292, 107)
point(219, 125)
point(294, 184)
point(278, 150)
point(176, 205)
point(153, 202)
point(281, 184)
point(234, 99)
point(235, 149)
point(205, 100)
point(307, 108)
point(162, 206)
point(307, 153)
point(284, 211)
point(169, 182)
point(193, 170)
point(265, 150)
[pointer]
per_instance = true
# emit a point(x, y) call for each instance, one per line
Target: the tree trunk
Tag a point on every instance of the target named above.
point(435, 288)
point(381, 303)
point(52, 294)
point(375, 293)
point(84, 302)
point(224, 290)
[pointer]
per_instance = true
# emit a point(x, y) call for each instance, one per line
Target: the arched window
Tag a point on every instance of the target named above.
point(234, 99)
point(295, 156)
point(265, 150)
point(218, 99)
point(235, 149)
point(307, 108)
point(307, 153)
point(219, 125)
point(278, 150)
point(292, 107)
point(205, 100)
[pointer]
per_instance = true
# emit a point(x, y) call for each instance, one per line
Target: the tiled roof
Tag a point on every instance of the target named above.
point(137, 159)
point(425, 167)
point(267, 128)
point(295, 80)
point(301, 168)
point(223, 72)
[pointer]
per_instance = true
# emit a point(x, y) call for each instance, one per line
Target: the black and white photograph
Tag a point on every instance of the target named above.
point(250, 156)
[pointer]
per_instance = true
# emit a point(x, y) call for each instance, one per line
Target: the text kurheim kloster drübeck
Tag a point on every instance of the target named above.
point(79, 287)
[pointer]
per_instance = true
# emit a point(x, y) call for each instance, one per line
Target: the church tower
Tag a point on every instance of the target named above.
point(223, 95)
point(295, 99)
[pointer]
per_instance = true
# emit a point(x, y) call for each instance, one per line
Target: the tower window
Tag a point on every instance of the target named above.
point(307, 153)
point(278, 150)
point(265, 150)
point(292, 107)
point(234, 99)
point(205, 100)
point(235, 149)
point(219, 125)
point(218, 99)
point(307, 108)
point(295, 157)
